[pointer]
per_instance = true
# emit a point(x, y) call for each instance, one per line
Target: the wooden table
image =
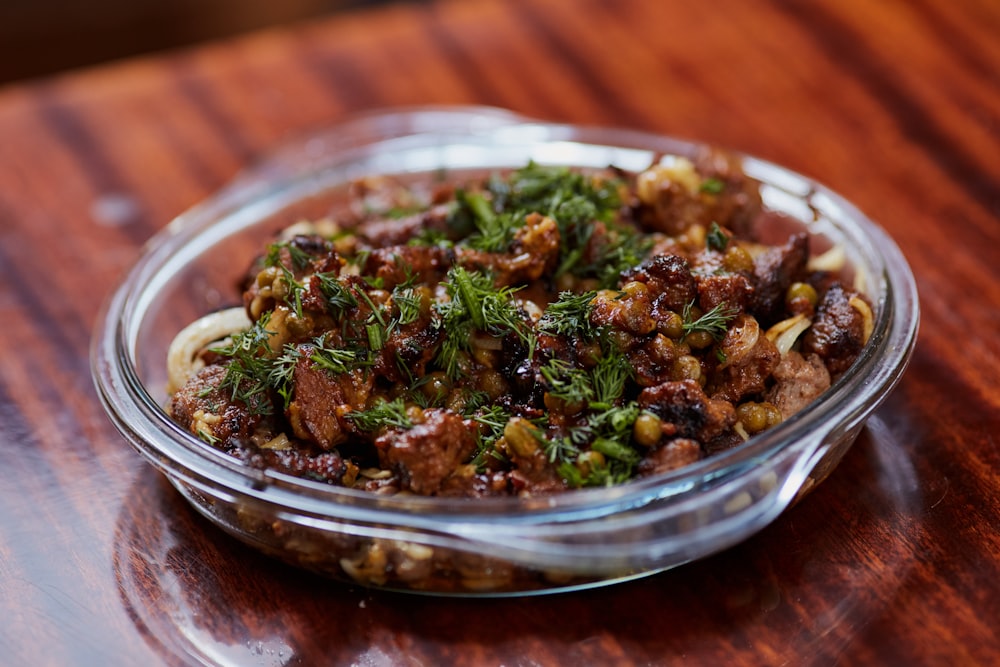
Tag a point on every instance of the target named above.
point(894, 560)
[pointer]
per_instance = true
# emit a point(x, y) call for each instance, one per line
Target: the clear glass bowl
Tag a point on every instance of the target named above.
point(493, 546)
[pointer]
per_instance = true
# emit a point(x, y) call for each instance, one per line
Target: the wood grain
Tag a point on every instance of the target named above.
point(894, 560)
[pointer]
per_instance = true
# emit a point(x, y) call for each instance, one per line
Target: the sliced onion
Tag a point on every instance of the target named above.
point(833, 259)
point(867, 317)
point(786, 332)
point(484, 341)
point(182, 355)
point(277, 443)
point(740, 340)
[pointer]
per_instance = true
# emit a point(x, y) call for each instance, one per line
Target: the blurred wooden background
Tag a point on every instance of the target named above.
point(42, 37)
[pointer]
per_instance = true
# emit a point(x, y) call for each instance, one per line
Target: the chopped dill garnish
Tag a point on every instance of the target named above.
point(569, 316)
point(559, 449)
point(714, 322)
point(608, 432)
point(476, 305)
point(578, 202)
point(716, 239)
point(712, 186)
point(339, 298)
point(205, 436)
point(334, 360)
point(493, 421)
point(282, 370)
point(566, 382)
point(494, 230)
point(389, 414)
point(300, 260)
point(376, 336)
point(407, 301)
point(609, 376)
point(247, 373)
point(626, 248)
point(614, 449)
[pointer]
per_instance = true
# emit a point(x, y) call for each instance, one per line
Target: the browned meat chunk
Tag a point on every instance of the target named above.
point(396, 265)
point(327, 467)
point(382, 232)
point(653, 362)
point(685, 406)
point(738, 198)
point(408, 350)
point(714, 188)
point(749, 358)
point(774, 271)
point(838, 332)
point(206, 409)
point(322, 398)
point(429, 453)
point(676, 453)
point(799, 380)
point(534, 252)
point(533, 472)
point(669, 280)
point(730, 291)
point(630, 310)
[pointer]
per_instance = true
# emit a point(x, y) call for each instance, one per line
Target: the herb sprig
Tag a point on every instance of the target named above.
point(569, 315)
point(389, 414)
point(476, 305)
point(713, 322)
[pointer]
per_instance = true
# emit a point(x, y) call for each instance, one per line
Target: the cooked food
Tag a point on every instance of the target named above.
point(526, 332)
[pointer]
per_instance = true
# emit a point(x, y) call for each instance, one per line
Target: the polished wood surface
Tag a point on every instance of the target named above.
point(893, 560)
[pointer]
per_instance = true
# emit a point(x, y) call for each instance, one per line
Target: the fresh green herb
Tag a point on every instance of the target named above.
point(331, 359)
point(712, 186)
point(430, 237)
point(622, 248)
point(609, 376)
point(610, 473)
point(576, 201)
point(613, 422)
point(473, 400)
point(334, 360)
point(377, 328)
point(454, 346)
point(616, 450)
point(390, 414)
point(545, 189)
point(567, 383)
point(476, 305)
point(493, 419)
point(716, 238)
point(407, 300)
point(282, 369)
point(569, 316)
point(204, 435)
point(339, 298)
point(299, 259)
point(494, 230)
point(714, 322)
point(397, 212)
point(360, 259)
point(249, 368)
point(609, 432)
point(376, 336)
point(276, 252)
point(559, 449)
